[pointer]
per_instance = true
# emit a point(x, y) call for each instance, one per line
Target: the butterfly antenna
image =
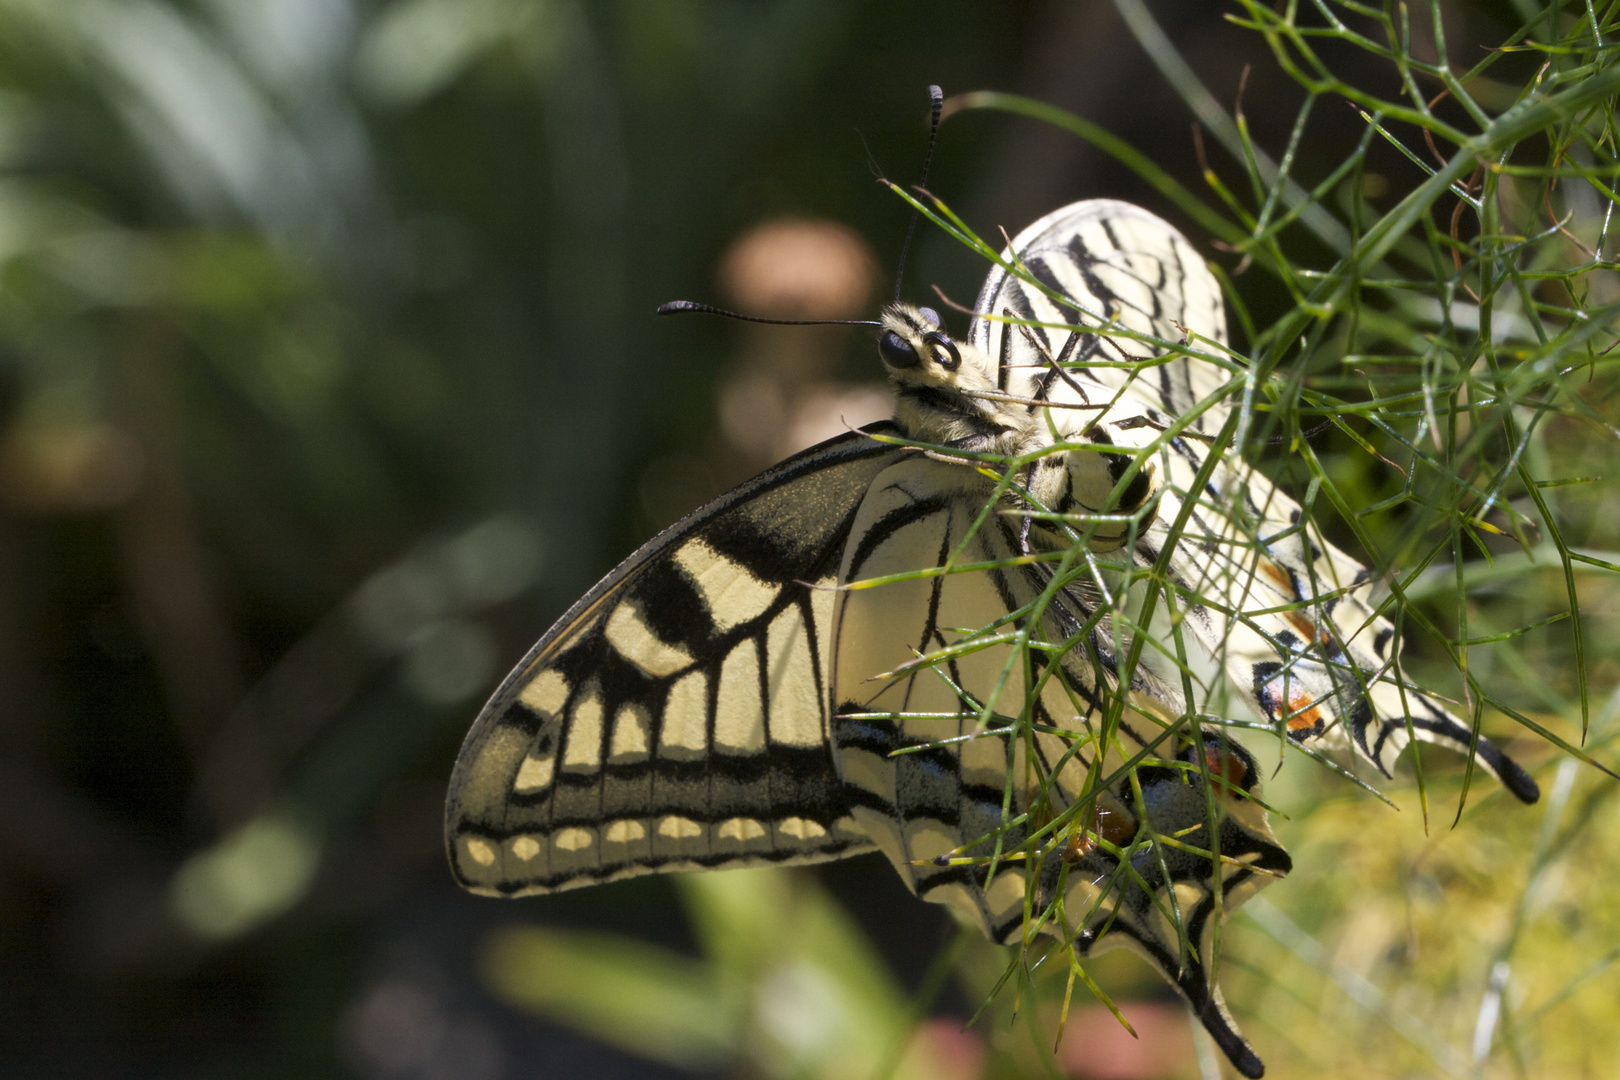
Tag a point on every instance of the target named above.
point(685, 307)
point(936, 106)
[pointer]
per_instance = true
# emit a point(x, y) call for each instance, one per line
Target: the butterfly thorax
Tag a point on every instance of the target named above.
point(947, 393)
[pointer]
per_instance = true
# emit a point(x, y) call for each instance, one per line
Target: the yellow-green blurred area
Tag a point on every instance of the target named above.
point(329, 378)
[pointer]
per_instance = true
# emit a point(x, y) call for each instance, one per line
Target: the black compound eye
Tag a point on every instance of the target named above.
point(897, 351)
point(931, 317)
point(944, 350)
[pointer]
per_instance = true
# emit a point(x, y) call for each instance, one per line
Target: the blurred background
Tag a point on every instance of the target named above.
point(329, 378)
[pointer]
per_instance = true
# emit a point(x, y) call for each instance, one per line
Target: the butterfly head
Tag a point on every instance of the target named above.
point(940, 385)
point(916, 348)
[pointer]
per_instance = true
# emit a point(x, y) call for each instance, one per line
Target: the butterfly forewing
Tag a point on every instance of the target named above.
point(676, 717)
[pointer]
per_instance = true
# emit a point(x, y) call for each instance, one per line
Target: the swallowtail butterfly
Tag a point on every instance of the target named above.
point(919, 638)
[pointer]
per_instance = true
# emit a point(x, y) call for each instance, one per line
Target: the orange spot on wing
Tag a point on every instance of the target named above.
point(1303, 714)
point(1227, 766)
point(1308, 716)
point(1302, 623)
point(1115, 826)
point(1307, 628)
point(1305, 721)
point(1279, 577)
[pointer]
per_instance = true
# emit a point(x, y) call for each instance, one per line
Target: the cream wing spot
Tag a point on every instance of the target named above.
point(546, 692)
point(697, 559)
point(574, 839)
point(625, 831)
point(534, 774)
point(1082, 894)
point(801, 828)
point(685, 731)
point(525, 848)
point(630, 727)
point(739, 722)
point(480, 851)
point(867, 771)
point(675, 827)
point(928, 841)
point(732, 594)
point(1005, 895)
point(794, 698)
point(629, 634)
point(740, 829)
point(584, 750)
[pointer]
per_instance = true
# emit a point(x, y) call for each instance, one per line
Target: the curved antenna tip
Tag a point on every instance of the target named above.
point(936, 104)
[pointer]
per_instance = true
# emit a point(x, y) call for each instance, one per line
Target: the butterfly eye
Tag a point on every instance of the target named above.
point(896, 351)
point(944, 350)
point(931, 317)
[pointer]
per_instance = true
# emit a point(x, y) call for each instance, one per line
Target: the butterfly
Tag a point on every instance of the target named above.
point(982, 638)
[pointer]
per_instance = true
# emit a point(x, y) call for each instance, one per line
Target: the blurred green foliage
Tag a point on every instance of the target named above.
point(328, 378)
point(790, 985)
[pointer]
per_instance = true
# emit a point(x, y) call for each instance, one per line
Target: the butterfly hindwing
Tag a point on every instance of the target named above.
point(1306, 644)
point(937, 796)
point(955, 803)
point(675, 718)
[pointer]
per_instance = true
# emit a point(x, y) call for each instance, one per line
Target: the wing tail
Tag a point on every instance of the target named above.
point(1385, 735)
